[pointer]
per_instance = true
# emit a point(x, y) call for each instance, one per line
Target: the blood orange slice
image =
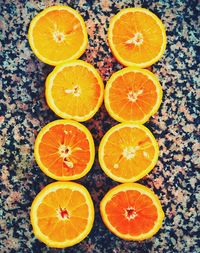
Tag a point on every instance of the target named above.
point(74, 90)
point(132, 211)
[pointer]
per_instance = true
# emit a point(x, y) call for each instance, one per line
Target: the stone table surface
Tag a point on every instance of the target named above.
point(23, 112)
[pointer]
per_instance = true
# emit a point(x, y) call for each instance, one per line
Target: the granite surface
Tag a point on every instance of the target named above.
point(23, 112)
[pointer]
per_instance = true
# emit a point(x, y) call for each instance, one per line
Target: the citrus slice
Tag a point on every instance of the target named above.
point(58, 34)
point(74, 90)
point(128, 152)
point(137, 37)
point(133, 94)
point(62, 214)
point(64, 150)
point(132, 211)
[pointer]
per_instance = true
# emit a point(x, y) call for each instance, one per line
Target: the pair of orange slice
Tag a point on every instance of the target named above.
point(64, 150)
point(62, 214)
point(136, 36)
point(75, 90)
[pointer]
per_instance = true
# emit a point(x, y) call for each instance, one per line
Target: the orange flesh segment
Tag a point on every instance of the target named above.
point(55, 22)
point(144, 96)
point(127, 26)
point(144, 213)
point(87, 85)
point(71, 137)
point(50, 220)
point(119, 141)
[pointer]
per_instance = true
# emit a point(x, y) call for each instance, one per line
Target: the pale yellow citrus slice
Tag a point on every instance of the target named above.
point(128, 152)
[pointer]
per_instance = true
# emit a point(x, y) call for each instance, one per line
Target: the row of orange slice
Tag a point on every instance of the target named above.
point(75, 90)
point(62, 214)
point(64, 150)
point(136, 36)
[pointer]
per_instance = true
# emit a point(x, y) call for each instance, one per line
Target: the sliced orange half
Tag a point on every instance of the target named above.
point(74, 90)
point(133, 94)
point(137, 37)
point(64, 150)
point(132, 211)
point(128, 152)
point(62, 214)
point(58, 34)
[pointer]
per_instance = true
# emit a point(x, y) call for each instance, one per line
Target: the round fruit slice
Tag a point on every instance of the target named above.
point(74, 90)
point(137, 37)
point(128, 152)
point(133, 94)
point(64, 150)
point(62, 214)
point(132, 211)
point(58, 34)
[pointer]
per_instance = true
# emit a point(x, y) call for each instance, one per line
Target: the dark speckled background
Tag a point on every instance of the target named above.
point(24, 112)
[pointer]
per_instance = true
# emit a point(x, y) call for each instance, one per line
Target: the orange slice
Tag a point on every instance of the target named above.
point(74, 90)
point(137, 37)
point(133, 94)
point(64, 150)
point(132, 212)
point(62, 214)
point(128, 152)
point(58, 34)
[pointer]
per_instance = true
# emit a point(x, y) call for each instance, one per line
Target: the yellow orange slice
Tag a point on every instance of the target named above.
point(74, 90)
point(133, 94)
point(132, 211)
point(137, 37)
point(64, 150)
point(62, 214)
point(58, 34)
point(128, 152)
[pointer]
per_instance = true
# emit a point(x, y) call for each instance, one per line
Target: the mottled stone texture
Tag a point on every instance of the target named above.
point(24, 112)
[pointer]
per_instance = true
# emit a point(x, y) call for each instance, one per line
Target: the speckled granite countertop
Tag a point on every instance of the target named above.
point(24, 112)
